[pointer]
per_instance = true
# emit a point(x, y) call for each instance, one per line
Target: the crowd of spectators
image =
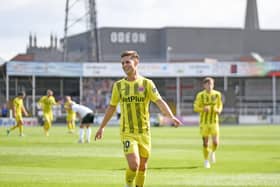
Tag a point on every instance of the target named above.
point(97, 93)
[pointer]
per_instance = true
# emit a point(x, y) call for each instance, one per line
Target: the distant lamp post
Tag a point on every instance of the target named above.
point(168, 51)
point(257, 57)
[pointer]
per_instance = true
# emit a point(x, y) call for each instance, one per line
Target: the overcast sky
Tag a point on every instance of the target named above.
point(18, 18)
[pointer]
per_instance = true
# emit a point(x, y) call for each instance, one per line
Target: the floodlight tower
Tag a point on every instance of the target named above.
point(89, 18)
point(93, 42)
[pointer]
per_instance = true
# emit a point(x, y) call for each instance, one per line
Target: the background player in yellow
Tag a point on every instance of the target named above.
point(208, 103)
point(134, 94)
point(71, 115)
point(18, 109)
point(46, 103)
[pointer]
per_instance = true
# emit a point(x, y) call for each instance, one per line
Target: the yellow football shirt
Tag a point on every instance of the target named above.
point(134, 98)
point(47, 103)
point(213, 100)
point(18, 103)
point(70, 113)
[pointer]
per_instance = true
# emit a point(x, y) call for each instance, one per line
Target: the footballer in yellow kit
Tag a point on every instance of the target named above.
point(208, 103)
point(71, 115)
point(47, 102)
point(134, 98)
point(18, 109)
point(134, 94)
point(208, 120)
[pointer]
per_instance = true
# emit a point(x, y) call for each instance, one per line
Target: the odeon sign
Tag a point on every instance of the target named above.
point(128, 37)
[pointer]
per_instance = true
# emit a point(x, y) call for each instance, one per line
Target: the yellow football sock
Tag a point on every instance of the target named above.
point(69, 125)
point(206, 153)
point(46, 128)
point(130, 176)
point(140, 178)
point(20, 129)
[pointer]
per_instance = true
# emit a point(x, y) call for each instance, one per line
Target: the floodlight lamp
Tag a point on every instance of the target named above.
point(257, 57)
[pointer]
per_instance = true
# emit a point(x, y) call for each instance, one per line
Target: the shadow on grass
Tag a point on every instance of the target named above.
point(167, 168)
point(172, 168)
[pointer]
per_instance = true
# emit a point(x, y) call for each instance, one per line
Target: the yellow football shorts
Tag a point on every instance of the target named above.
point(48, 117)
point(71, 117)
point(137, 143)
point(209, 130)
point(19, 119)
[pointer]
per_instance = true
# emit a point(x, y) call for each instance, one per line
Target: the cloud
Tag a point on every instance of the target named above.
point(19, 18)
point(161, 13)
point(269, 14)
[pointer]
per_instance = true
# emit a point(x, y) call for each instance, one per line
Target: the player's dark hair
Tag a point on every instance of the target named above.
point(21, 94)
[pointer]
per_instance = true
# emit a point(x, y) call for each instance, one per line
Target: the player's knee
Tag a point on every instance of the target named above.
point(205, 142)
point(133, 166)
point(216, 143)
point(142, 167)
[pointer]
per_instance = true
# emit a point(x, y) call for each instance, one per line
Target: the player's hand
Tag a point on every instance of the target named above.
point(59, 102)
point(99, 134)
point(217, 110)
point(206, 109)
point(176, 122)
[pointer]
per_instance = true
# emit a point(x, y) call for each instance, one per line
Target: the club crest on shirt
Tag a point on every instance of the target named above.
point(141, 89)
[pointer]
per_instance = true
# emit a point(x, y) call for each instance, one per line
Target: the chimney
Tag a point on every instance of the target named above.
point(252, 17)
point(51, 41)
point(35, 40)
point(55, 42)
point(30, 40)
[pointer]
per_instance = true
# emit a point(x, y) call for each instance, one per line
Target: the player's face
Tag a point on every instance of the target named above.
point(128, 65)
point(67, 98)
point(49, 93)
point(209, 86)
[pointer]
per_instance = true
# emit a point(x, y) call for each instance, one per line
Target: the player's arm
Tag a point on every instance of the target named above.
point(67, 107)
point(110, 111)
point(79, 117)
point(14, 108)
point(53, 101)
point(108, 115)
point(197, 106)
point(59, 102)
point(24, 110)
point(219, 107)
point(164, 108)
point(40, 102)
point(161, 104)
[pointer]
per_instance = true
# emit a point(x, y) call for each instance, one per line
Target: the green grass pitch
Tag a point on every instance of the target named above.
point(248, 156)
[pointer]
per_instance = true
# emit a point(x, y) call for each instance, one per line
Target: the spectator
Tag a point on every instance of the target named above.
point(4, 110)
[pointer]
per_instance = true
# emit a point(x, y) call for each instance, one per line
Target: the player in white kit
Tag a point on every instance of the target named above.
point(86, 116)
